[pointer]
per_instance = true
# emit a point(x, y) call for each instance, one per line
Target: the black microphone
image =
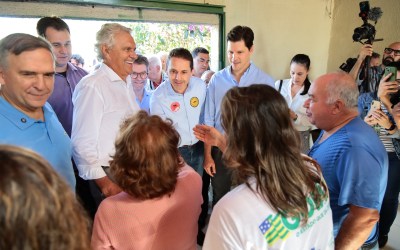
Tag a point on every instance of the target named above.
point(374, 14)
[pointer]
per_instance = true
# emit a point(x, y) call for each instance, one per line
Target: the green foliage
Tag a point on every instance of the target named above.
point(152, 38)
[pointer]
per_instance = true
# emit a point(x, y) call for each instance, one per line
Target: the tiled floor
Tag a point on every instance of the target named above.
point(394, 234)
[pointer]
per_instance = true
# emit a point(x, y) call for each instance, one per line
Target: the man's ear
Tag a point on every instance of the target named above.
point(252, 49)
point(105, 50)
point(338, 106)
point(2, 80)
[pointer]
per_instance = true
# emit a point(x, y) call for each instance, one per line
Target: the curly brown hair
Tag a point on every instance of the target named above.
point(146, 160)
point(263, 143)
point(38, 210)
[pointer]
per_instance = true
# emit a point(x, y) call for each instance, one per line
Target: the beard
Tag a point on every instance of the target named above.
point(387, 60)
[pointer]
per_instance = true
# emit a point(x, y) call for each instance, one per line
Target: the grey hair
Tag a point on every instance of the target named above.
point(154, 60)
point(105, 36)
point(343, 87)
point(18, 43)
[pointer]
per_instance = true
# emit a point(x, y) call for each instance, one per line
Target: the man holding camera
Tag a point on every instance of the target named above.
point(390, 54)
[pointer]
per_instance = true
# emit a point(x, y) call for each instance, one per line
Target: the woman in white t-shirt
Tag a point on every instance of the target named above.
point(282, 199)
point(295, 90)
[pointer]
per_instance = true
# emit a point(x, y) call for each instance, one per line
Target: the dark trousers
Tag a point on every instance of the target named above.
point(204, 207)
point(391, 199)
point(222, 180)
point(84, 195)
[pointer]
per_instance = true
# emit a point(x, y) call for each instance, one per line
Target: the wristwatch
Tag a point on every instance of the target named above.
point(391, 127)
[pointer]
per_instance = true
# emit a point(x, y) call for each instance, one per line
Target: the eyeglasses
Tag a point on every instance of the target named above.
point(389, 51)
point(142, 75)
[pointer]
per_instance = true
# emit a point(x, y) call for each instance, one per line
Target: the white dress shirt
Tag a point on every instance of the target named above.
point(102, 100)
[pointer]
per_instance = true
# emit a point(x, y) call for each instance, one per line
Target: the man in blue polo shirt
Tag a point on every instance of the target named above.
point(240, 73)
point(27, 80)
point(353, 160)
point(181, 99)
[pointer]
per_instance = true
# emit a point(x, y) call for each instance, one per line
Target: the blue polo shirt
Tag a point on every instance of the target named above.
point(185, 110)
point(354, 164)
point(47, 138)
point(221, 82)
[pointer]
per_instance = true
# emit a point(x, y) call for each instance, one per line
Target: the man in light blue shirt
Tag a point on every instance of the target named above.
point(27, 80)
point(140, 71)
point(181, 98)
point(241, 73)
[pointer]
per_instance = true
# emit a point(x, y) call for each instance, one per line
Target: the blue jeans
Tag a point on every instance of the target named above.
point(194, 156)
point(391, 199)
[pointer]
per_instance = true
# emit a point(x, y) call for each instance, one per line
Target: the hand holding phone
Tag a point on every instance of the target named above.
point(375, 105)
point(393, 70)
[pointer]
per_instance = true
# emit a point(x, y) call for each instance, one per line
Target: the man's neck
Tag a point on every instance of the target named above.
point(238, 74)
point(123, 77)
point(139, 93)
point(159, 80)
point(37, 114)
point(338, 125)
point(61, 69)
point(196, 74)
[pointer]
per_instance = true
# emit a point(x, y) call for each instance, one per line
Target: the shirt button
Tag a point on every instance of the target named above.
point(23, 120)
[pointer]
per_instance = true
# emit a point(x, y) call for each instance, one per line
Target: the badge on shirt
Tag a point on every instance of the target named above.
point(175, 106)
point(194, 102)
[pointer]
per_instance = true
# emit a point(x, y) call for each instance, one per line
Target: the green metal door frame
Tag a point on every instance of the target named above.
point(163, 5)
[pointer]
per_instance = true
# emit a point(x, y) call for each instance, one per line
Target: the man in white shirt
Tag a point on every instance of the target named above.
point(181, 98)
point(102, 100)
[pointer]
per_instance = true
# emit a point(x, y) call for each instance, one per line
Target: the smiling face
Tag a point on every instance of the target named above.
point(239, 56)
point(298, 73)
point(179, 73)
point(61, 42)
point(121, 55)
point(28, 80)
point(201, 63)
point(139, 82)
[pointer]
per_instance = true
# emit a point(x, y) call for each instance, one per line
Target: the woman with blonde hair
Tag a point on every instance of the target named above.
point(38, 210)
point(282, 200)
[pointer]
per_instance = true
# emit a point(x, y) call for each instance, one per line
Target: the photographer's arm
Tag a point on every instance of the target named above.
point(366, 50)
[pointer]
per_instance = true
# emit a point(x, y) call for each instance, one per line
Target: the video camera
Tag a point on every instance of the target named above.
point(367, 31)
point(364, 34)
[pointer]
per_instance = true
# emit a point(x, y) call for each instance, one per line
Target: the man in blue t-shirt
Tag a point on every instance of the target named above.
point(353, 160)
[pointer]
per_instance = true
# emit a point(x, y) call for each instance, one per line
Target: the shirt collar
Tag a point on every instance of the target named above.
point(111, 74)
point(20, 119)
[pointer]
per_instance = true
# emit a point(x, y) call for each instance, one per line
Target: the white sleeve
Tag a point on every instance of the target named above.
point(87, 118)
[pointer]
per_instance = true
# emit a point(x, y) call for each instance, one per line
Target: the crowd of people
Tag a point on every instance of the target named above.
point(140, 140)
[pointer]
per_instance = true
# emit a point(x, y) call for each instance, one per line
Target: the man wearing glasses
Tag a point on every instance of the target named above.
point(369, 84)
point(139, 78)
